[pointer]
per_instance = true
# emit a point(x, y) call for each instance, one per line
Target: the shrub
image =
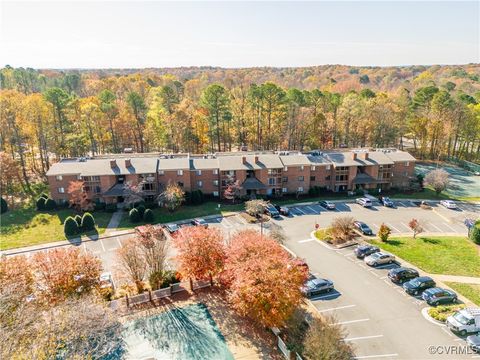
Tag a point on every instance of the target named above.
point(475, 234)
point(188, 197)
point(100, 206)
point(170, 277)
point(134, 216)
point(41, 203)
point(88, 222)
point(148, 216)
point(43, 195)
point(50, 204)
point(195, 197)
point(141, 210)
point(441, 313)
point(150, 204)
point(78, 219)
point(70, 226)
point(384, 232)
point(111, 207)
point(4, 206)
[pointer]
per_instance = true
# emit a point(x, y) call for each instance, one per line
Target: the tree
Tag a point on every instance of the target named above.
point(341, 229)
point(78, 196)
point(50, 204)
point(40, 203)
point(263, 281)
point(233, 189)
point(255, 207)
point(131, 262)
point(88, 222)
point(64, 273)
point(416, 227)
point(384, 232)
point(138, 107)
point(4, 206)
point(325, 340)
point(172, 197)
point(201, 252)
point(134, 216)
point(217, 104)
point(475, 233)
point(70, 227)
point(438, 179)
point(148, 216)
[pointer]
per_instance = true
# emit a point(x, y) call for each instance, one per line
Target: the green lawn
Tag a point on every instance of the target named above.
point(470, 291)
point(429, 194)
point(24, 227)
point(162, 215)
point(450, 255)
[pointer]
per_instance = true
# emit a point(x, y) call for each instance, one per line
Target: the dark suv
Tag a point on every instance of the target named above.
point(402, 274)
point(365, 250)
point(363, 228)
point(271, 211)
point(418, 285)
point(435, 296)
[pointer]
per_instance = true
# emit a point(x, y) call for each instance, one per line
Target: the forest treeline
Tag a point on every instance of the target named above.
point(48, 114)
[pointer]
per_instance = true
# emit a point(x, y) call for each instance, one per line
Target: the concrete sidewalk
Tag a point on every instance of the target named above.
point(458, 279)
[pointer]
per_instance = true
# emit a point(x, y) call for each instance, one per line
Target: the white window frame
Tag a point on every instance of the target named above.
point(61, 190)
point(215, 193)
point(302, 167)
point(284, 190)
point(199, 172)
point(59, 177)
point(328, 167)
point(200, 183)
point(215, 182)
point(407, 163)
point(285, 168)
point(179, 172)
point(215, 171)
point(161, 172)
point(300, 189)
point(313, 168)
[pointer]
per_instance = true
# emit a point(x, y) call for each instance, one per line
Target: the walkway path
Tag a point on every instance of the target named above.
point(459, 279)
point(114, 221)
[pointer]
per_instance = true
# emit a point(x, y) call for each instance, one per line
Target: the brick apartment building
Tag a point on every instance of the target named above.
point(258, 173)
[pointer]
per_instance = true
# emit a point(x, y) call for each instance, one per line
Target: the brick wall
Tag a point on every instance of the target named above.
point(55, 184)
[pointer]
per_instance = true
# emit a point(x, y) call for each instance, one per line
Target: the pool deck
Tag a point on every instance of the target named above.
point(244, 339)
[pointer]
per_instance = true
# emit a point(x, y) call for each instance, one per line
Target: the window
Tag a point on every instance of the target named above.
point(200, 183)
point(271, 181)
point(312, 168)
point(341, 178)
point(59, 177)
point(180, 184)
point(284, 190)
point(215, 182)
point(79, 177)
point(161, 172)
point(327, 178)
point(300, 189)
point(179, 172)
point(300, 178)
point(328, 167)
point(406, 173)
point(96, 178)
point(61, 190)
point(215, 193)
point(215, 171)
point(302, 167)
point(407, 163)
point(285, 168)
point(312, 178)
point(285, 179)
point(199, 172)
point(148, 187)
point(98, 189)
point(269, 171)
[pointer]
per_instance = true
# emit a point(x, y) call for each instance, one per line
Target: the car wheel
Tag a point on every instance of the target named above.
point(374, 264)
point(455, 300)
point(435, 303)
point(415, 293)
point(463, 332)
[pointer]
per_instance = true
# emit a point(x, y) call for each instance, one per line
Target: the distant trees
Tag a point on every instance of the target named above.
point(438, 179)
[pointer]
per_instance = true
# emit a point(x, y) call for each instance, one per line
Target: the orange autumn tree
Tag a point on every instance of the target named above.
point(62, 273)
point(78, 197)
point(264, 281)
point(201, 252)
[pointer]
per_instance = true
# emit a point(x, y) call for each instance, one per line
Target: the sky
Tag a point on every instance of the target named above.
point(136, 34)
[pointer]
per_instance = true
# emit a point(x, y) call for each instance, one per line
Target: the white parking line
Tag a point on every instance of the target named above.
point(119, 243)
point(401, 204)
point(436, 227)
point(405, 226)
point(450, 227)
point(375, 356)
point(376, 226)
point(103, 247)
point(306, 240)
point(363, 337)
point(393, 227)
point(349, 322)
point(311, 209)
point(301, 211)
point(225, 223)
point(372, 272)
point(350, 254)
point(336, 308)
point(325, 296)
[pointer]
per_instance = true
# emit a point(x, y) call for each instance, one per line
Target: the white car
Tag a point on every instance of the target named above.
point(364, 202)
point(449, 204)
point(379, 258)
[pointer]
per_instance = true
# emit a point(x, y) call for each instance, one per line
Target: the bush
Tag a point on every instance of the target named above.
point(150, 204)
point(78, 219)
point(148, 216)
point(50, 204)
point(111, 207)
point(475, 233)
point(169, 277)
point(141, 210)
point(43, 195)
point(134, 216)
point(88, 222)
point(70, 226)
point(188, 197)
point(441, 313)
point(41, 203)
point(99, 206)
point(4, 206)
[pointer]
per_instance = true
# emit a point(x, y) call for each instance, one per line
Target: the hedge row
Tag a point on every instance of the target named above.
point(44, 203)
point(78, 224)
point(4, 206)
point(138, 213)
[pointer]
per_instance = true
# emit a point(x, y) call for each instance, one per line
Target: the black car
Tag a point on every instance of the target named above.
point(271, 211)
point(436, 296)
point(365, 250)
point(317, 286)
point(386, 201)
point(473, 342)
point(283, 210)
point(327, 204)
point(402, 274)
point(418, 285)
point(363, 228)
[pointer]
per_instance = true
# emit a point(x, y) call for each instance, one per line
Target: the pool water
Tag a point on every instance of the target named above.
point(187, 333)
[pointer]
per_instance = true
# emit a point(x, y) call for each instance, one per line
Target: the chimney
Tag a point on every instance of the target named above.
point(244, 159)
point(256, 159)
point(128, 163)
point(113, 163)
point(365, 155)
point(354, 155)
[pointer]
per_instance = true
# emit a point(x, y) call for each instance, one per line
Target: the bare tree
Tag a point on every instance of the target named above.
point(131, 262)
point(255, 207)
point(133, 194)
point(438, 179)
point(341, 229)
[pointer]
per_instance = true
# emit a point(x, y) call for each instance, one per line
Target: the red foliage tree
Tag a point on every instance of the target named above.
point(78, 196)
point(264, 281)
point(201, 252)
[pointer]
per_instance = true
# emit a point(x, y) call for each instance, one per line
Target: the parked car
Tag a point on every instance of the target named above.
point(386, 201)
point(365, 250)
point(106, 280)
point(418, 285)
point(200, 222)
point(473, 341)
point(317, 286)
point(327, 204)
point(364, 202)
point(449, 204)
point(436, 296)
point(172, 228)
point(283, 210)
point(465, 321)
point(402, 274)
point(379, 258)
point(363, 228)
point(271, 211)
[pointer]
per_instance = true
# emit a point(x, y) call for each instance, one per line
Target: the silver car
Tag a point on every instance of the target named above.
point(364, 202)
point(315, 286)
point(379, 258)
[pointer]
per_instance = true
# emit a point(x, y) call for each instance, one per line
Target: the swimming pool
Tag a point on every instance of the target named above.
point(186, 333)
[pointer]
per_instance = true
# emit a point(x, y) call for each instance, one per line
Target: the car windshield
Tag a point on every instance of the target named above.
point(415, 282)
point(364, 226)
point(376, 255)
point(201, 221)
point(460, 318)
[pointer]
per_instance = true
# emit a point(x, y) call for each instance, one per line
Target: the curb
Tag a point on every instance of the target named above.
point(427, 317)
